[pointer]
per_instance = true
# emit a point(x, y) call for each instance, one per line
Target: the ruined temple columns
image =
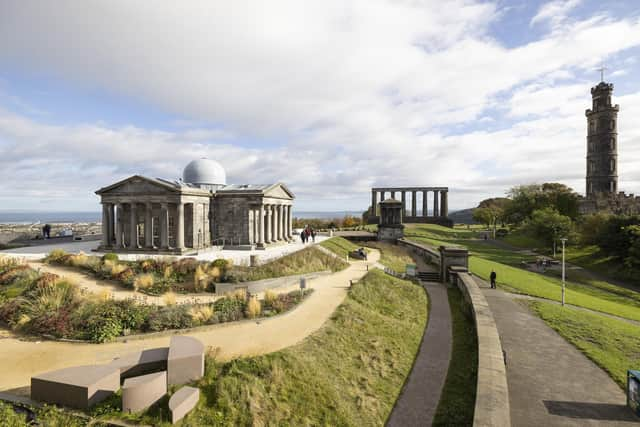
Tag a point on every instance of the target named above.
point(425, 207)
point(413, 204)
point(403, 197)
point(444, 204)
point(436, 209)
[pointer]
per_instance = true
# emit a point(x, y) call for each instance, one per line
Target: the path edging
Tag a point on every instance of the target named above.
point(492, 393)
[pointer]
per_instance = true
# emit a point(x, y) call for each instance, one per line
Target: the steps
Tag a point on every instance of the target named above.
point(429, 276)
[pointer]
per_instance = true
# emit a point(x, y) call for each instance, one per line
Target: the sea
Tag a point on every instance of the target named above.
point(34, 217)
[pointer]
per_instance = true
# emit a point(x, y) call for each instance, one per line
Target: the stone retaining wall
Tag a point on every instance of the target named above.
point(430, 255)
point(492, 393)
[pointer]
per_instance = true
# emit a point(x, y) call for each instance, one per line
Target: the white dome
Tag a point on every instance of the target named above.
point(204, 172)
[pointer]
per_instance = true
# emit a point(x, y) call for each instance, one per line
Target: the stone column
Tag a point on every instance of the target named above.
point(118, 223)
point(290, 222)
point(135, 243)
point(112, 224)
point(403, 197)
point(425, 210)
point(261, 226)
point(268, 219)
point(164, 225)
point(105, 225)
point(373, 202)
point(393, 194)
point(180, 226)
point(436, 208)
point(283, 221)
point(444, 208)
point(275, 234)
point(413, 204)
point(148, 225)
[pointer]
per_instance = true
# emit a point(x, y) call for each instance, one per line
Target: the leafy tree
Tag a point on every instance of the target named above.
point(593, 228)
point(550, 225)
point(528, 198)
point(633, 258)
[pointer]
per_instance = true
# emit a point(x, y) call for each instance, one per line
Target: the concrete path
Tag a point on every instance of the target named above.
point(550, 382)
point(23, 358)
point(418, 401)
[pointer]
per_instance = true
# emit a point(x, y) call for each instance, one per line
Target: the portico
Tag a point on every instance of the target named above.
point(437, 195)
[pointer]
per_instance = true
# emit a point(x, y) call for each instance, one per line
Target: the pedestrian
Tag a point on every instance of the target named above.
point(493, 277)
point(307, 234)
point(313, 235)
point(303, 236)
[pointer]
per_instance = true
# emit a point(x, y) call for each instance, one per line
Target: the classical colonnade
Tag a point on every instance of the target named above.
point(440, 200)
point(271, 223)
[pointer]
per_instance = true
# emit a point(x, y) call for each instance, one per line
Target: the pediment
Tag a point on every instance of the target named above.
point(138, 185)
point(278, 191)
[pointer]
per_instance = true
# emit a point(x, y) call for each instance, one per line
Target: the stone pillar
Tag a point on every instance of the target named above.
point(373, 202)
point(268, 219)
point(413, 204)
point(425, 210)
point(164, 225)
point(112, 224)
point(290, 223)
point(436, 208)
point(275, 234)
point(393, 194)
point(180, 226)
point(403, 197)
point(105, 225)
point(283, 221)
point(148, 225)
point(261, 226)
point(133, 227)
point(118, 223)
point(444, 208)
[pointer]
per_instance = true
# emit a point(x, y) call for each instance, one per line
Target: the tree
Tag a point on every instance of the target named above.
point(550, 225)
point(528, 198)
point(489, 215)
point(633, 258)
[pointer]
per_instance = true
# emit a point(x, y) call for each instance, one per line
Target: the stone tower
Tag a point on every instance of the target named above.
point(602, 135)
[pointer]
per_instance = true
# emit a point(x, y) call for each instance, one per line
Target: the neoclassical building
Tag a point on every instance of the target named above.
point(141, 214)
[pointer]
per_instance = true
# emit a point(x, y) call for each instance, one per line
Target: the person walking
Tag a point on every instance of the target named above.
point(313, 235)
point(493, 277)
point(303, 236)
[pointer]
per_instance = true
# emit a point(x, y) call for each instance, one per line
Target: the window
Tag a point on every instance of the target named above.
point(612, 165)
point(612, 144)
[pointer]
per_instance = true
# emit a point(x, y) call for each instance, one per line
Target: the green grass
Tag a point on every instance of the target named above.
point(522, 240)
point(393, 256)
point(308, 260)
point(458, 397)
point(339, 246)
point(612, 344)
point(348, 373)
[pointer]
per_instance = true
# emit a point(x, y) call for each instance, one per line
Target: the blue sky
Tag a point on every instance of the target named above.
point(330, 97)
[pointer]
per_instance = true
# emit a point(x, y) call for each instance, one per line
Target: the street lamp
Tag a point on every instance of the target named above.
point(563, 240)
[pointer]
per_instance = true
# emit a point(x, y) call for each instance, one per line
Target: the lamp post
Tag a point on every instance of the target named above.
point(563, 240)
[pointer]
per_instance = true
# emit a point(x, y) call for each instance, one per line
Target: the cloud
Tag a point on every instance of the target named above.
point(337, 96)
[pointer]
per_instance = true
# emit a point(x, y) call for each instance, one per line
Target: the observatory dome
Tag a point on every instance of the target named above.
point(204, 172)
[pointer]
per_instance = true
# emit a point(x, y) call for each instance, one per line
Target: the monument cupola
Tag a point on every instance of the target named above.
point(602, 135)
point(205, 173)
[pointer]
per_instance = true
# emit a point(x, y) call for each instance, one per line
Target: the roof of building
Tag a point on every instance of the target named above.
point(204, 171)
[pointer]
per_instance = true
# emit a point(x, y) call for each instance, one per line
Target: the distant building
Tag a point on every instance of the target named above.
point(141, 214)
point(602, 193)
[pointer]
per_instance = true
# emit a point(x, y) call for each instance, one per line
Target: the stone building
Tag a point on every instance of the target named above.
point(141, 214)
point(390, 226)
point(437, 214)
point(602, 193)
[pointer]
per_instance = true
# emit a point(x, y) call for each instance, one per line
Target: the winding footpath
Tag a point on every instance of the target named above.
point(22, 358)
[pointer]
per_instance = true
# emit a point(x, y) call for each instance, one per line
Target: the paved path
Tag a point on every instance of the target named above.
point(23, 358)
point(550, 382)
point(418, 401)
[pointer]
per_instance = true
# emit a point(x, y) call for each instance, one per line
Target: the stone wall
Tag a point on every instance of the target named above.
point(492, 393)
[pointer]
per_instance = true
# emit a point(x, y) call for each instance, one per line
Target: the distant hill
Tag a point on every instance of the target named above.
point(464, 216)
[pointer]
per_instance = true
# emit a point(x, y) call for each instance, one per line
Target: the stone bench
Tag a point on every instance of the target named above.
point(141, 362)
point(182, 402)
point(138, 393)
point(77, 387)
point(185, 362)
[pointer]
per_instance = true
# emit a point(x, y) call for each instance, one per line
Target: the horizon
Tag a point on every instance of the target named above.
point(331, 98)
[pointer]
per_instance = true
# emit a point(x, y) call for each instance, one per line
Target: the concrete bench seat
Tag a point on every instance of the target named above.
point(142, 362)
point(77, 387)
point(185, 362)
point(138, 393)
point(182, 402)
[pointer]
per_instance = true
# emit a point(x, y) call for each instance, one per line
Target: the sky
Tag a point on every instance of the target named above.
point(331, 97)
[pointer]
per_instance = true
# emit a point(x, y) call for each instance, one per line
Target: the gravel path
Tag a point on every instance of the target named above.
point(22, 358)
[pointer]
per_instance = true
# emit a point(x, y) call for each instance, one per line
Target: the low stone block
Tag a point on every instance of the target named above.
point(182, 402)
point(138, 393)
point(77, 387)
point(142, 362)
point(186, 360)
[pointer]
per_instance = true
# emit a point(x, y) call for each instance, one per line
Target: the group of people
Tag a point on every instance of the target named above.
point(308, 233)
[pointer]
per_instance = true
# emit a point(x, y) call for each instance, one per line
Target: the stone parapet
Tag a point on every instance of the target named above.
point(492, 392)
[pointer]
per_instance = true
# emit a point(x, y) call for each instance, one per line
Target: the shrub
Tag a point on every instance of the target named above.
point(169, 298)
point(78, 260)
point(8, 263)
point(11, 418)
point(170, 317)
point(269, 297)
point(56, 256)
point(110, 257)
point(185, 266)
point(167, 273)
point(229, 309)
point(11, 274)
point(240, 295)
point(200, 279)
point(126, 276)
point(253, 308)
point(147, 265)
point(143, 281)
point(201, 314)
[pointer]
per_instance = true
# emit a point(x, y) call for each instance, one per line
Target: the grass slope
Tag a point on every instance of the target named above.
point(349, 373)
point(393, 256)
point(458, 398)
point(612, 344)
point(339, 246)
